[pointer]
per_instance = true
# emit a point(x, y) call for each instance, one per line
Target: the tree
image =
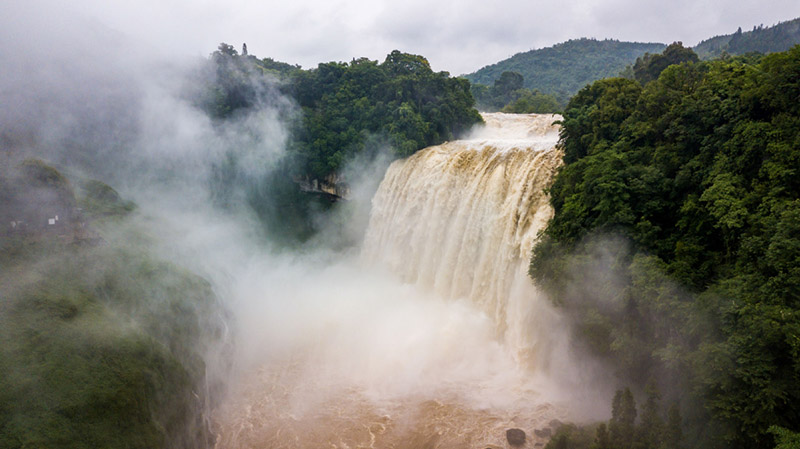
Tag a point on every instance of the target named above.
point(673, 433)
point(508, 82)
point(651, 427)
point(602, 439)
point(399, 63)
point(785, 438)
point(623, 418)
point(401, 102)
point(226, 49)
point(648, 67)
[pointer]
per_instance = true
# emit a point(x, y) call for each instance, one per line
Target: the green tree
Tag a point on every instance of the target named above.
point(623, 419)
point(696, 172)
point(673, 432)
point(648, 67)
point(651, 426)
point(786, 439)
point(602, 438)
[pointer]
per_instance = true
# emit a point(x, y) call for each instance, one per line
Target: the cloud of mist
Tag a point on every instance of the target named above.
point(623, 304)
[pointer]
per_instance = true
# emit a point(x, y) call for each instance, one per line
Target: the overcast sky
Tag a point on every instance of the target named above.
point(457, 36)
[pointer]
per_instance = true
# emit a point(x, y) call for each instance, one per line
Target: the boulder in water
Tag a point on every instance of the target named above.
point(516, 437)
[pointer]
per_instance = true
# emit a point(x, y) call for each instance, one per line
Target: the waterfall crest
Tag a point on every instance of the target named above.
point(461, 218)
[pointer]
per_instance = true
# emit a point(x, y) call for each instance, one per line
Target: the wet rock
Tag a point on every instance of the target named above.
point(555, 425)
point(516, 437)
point(543, 433)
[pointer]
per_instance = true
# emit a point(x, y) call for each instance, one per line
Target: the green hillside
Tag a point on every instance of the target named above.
point(565, 68)
point(780, 37)
point(675, 248)
point(102, 343)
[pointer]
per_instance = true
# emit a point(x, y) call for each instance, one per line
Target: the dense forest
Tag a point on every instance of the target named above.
point(675, 248)
point(780, 37)
point(563, 69)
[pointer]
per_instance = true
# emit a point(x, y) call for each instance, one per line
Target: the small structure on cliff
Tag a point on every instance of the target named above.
point(333, 187)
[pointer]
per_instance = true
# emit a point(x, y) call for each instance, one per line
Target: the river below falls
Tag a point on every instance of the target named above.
point(273, 410)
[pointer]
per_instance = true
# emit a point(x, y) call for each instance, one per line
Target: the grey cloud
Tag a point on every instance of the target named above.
point(457, 36)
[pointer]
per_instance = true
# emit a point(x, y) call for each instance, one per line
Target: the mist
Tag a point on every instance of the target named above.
point(305, 335)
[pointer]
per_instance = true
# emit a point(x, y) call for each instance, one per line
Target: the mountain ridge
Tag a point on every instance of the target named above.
point(545, 69)
point(563, 69)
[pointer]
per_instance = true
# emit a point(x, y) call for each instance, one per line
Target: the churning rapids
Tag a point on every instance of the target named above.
point(434, 337)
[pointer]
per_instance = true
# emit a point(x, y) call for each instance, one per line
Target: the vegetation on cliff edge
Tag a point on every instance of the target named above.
point(675, 245)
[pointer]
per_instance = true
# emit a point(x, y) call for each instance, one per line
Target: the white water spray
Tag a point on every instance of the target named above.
point(461, 219)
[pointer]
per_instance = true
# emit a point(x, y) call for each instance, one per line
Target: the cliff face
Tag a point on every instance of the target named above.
point(333, 185)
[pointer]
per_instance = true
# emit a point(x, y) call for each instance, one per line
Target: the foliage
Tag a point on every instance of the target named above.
point(570, 436)
point(648, 67)
point(786, 438)
point(675, 243)
point(623, 418)
point(101, 347)
point(508, 95)
point(777, 38)
point(98, 199)
point(346, 111)
point(401, 102)
point(565, 68)
point(290, 216)
point(240, 82)
point(533, 102)
point(622, 431)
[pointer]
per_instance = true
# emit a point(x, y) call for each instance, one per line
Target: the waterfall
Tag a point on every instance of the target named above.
point(461, 219)
point(434, 336)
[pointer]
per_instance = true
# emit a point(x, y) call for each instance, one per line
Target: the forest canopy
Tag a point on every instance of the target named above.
point(685, 192)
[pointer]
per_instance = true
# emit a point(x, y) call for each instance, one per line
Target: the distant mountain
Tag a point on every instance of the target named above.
point(780, 37)
point(565, 68)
